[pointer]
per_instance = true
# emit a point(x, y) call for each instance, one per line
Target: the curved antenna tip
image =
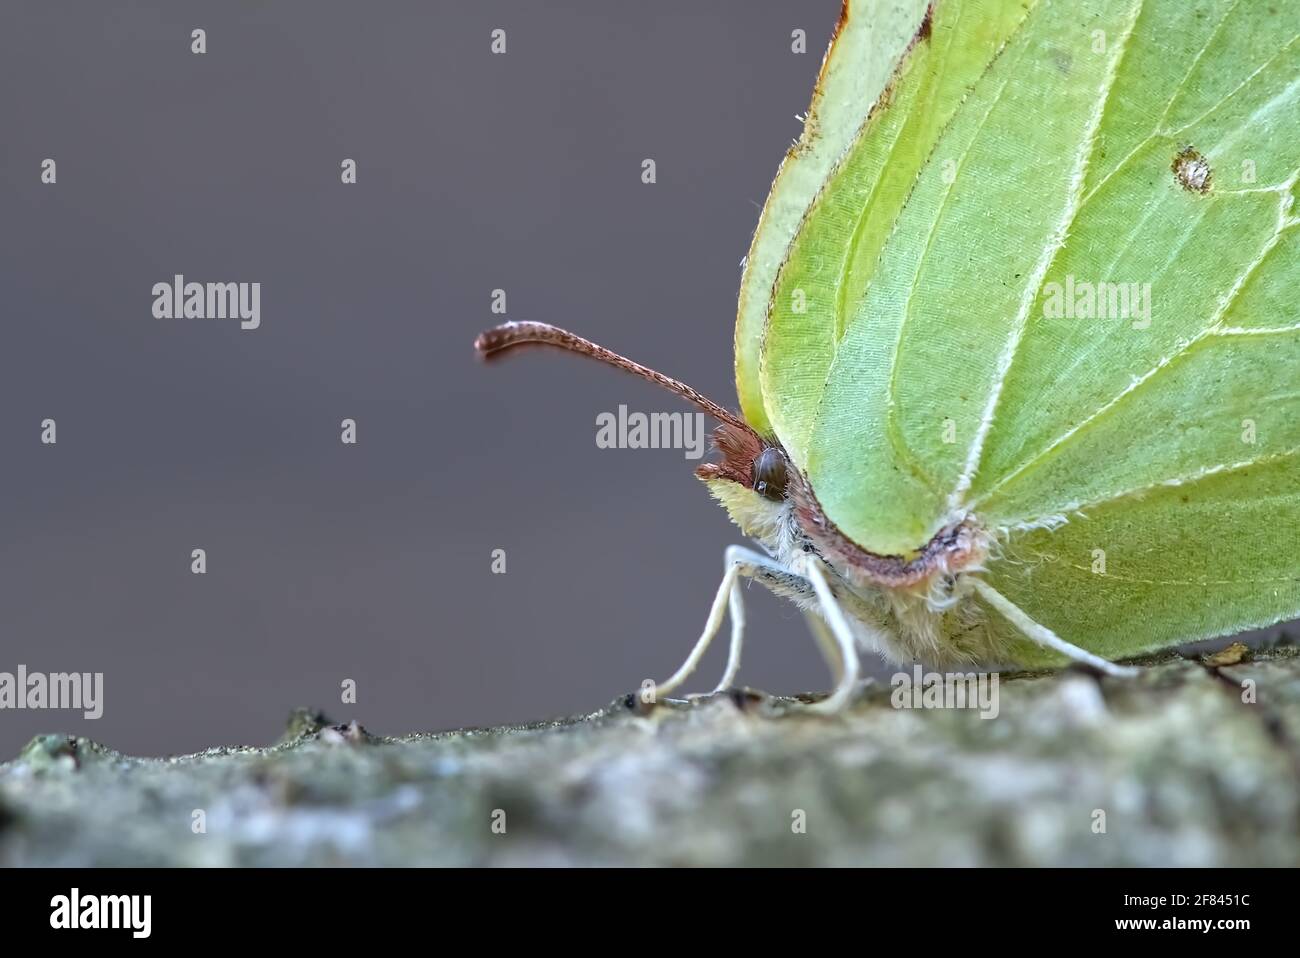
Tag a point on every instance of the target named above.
point(492, 342)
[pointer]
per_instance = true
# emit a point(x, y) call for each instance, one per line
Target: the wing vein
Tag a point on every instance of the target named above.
point(1173, 96)
point(1212, 330)
point(1233, 92)
point(1189, 479)
point(891, 408)
point(1053, 249)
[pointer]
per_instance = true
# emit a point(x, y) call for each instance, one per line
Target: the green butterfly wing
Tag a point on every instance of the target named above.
point(1140, 454)
point(869, 40)
point(1181, 563)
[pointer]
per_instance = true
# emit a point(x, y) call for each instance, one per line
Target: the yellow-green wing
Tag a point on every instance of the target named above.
point(930, 378)
point(821, 286)
point(1077, 321)
point(869, 40)
point(1204, 373)
point(1170, 565)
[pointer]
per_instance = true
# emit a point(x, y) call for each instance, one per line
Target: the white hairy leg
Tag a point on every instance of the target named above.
point(809, 567)
point(739, 561)
point(711, 627)
point(826, 644)
point(736, 610)
point(1045, 636)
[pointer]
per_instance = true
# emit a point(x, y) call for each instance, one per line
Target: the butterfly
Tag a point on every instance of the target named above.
point(1017, 344)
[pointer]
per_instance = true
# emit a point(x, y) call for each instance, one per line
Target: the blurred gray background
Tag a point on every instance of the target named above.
point(371, 562)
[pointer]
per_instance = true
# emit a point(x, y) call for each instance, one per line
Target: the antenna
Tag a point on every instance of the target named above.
point(503, 338)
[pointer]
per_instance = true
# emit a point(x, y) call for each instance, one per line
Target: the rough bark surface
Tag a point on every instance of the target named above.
point(1185, 768)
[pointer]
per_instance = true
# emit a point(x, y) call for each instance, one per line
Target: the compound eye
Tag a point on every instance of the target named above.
point(769, 474)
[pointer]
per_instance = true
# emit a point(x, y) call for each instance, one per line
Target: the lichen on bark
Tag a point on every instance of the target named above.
point(1196, 762)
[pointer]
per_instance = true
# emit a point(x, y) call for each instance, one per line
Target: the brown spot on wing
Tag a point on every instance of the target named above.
point(1192, 171)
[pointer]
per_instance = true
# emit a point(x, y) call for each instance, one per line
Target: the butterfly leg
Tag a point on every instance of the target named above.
point(736, 611)
point(1045, 636)
point(826, 643)
point(845, 641)
point(739, 562)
